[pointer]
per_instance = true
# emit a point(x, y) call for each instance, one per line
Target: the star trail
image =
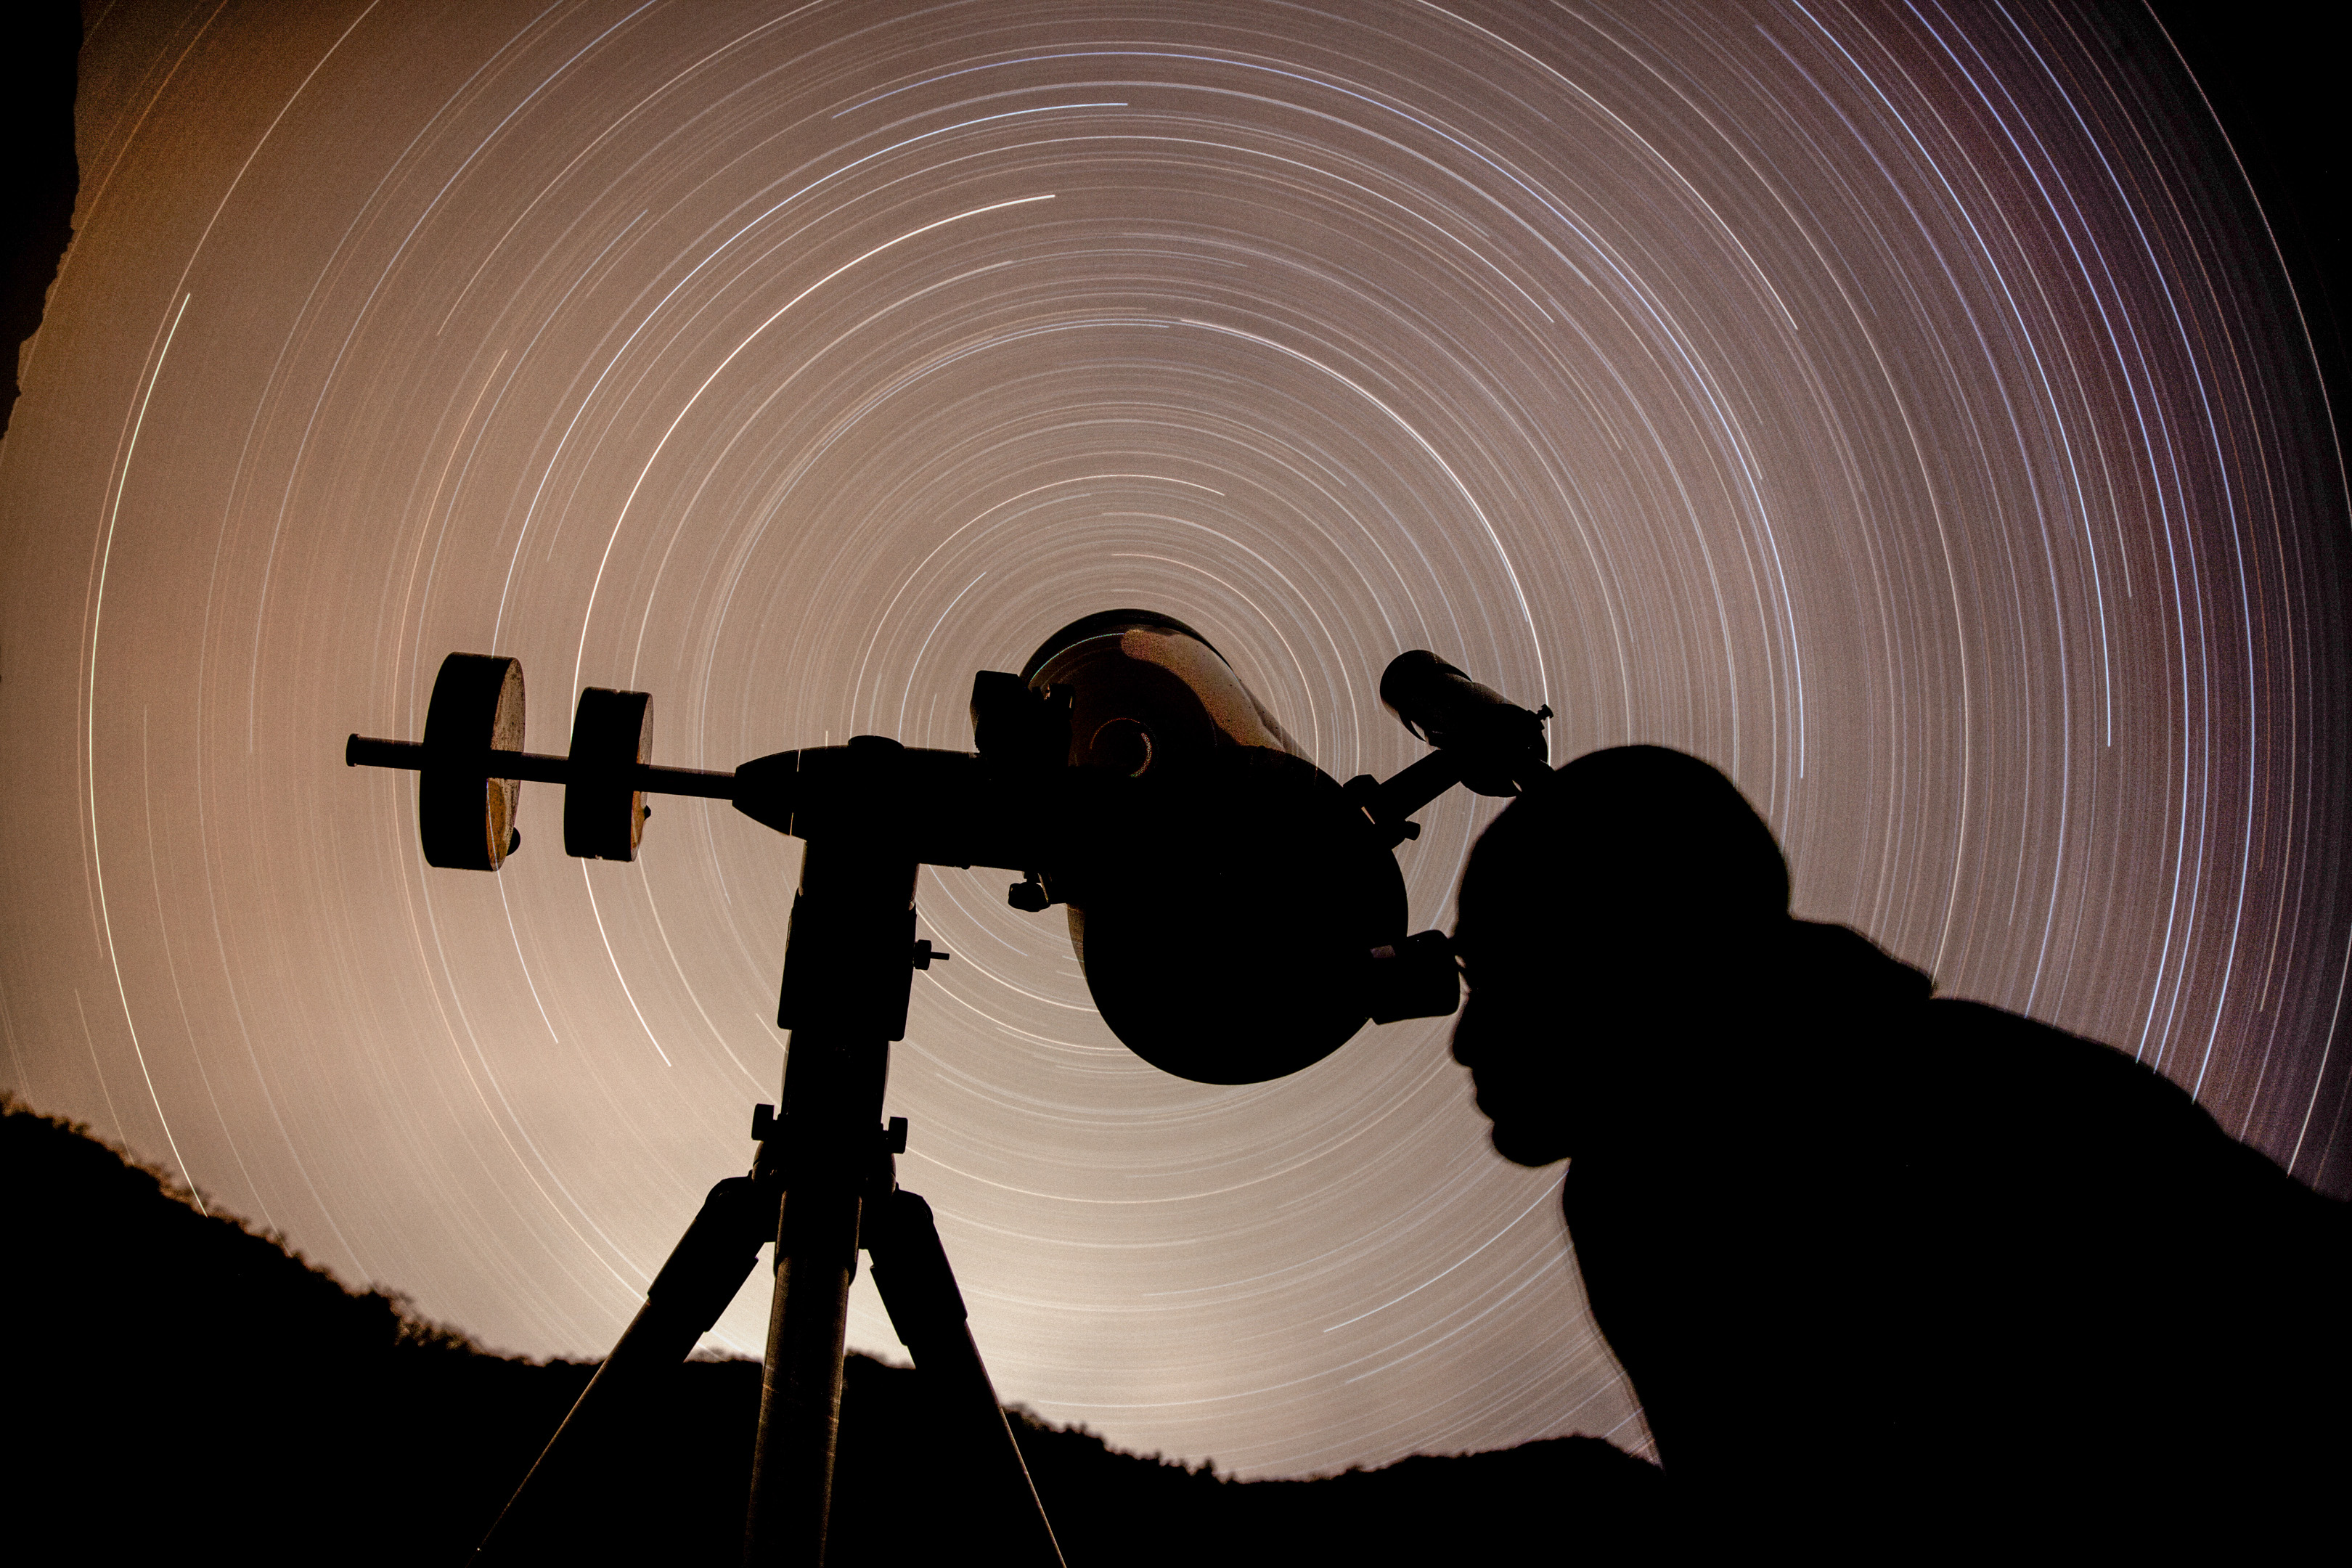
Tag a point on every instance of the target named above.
point(1900, 407)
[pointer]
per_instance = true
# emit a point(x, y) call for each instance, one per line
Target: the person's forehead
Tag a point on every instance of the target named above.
point(1507, 873)
point(1507, 890)
point(1492, 951)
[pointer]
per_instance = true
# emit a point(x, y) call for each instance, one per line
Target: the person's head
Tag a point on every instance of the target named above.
point(1602, 915)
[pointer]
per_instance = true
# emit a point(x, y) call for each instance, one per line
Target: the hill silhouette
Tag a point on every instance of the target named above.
point(178, 1382)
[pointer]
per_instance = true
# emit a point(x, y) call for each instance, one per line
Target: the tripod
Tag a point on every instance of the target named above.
point(823, 1186)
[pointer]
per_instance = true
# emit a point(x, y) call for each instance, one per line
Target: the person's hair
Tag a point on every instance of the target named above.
point(1634, 837)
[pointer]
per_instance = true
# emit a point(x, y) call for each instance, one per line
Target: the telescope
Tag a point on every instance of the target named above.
point(1238, 914)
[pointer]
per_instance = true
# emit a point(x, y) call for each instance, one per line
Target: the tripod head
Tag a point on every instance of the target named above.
point(1238, 913)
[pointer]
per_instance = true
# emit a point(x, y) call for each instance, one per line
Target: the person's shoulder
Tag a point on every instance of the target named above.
point(2047, 1061)
point(2064, 1075)
point(2028, 1084)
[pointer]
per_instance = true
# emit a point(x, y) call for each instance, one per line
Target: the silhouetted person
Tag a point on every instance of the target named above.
point(1896, 1279)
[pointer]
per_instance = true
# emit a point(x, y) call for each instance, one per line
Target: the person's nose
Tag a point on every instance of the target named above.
point(1468, 1032)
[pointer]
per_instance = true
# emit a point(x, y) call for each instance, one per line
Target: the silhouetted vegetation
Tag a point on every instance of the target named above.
point(41, 175)
point(180, 1385)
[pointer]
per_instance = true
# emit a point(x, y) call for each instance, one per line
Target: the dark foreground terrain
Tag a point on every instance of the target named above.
point(180, 1386)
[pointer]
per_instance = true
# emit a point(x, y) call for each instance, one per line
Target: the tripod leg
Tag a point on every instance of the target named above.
point(847, 966)
point(708, 1265)
point(910, 1269)
point(829, 1149)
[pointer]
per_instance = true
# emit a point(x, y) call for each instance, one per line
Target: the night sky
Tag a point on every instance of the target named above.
point(1901, 407)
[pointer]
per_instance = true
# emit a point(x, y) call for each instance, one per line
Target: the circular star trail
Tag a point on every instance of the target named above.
point(1899, 406)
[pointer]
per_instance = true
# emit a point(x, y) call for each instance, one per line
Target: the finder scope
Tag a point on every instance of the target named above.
point(1500, 745)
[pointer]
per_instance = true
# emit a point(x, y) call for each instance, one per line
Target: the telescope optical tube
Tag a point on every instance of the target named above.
point(1225, 918)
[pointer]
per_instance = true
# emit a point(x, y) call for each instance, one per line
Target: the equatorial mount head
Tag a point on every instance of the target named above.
point(1237, 912)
